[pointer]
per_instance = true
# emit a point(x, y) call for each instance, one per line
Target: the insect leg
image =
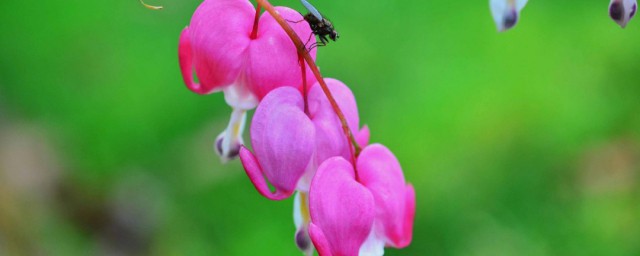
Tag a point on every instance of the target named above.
point(317, 44)
point(294, 22)
point(309, 39)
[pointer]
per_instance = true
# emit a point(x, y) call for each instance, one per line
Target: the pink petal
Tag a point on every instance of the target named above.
point(282, 137)
point(219, 46)
point(410, 211)
point(218, 37)
point(185, 58)
point(342, 210)
point(330, 138)
point(362, 136)
point(380, 172)
point(273, 58)
point(319, 240)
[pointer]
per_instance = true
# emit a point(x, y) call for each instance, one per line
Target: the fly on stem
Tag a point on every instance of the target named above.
point(320, 26)
point(302, 49)
point(151, 7)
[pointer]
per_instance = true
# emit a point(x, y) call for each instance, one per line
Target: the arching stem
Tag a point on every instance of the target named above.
point(303, 70)
point(302, 51)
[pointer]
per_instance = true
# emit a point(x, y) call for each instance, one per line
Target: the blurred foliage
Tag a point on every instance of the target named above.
point(522, 143)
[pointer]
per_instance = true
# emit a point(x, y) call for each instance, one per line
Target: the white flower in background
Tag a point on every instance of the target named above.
point(506, 12)
point(621, 11)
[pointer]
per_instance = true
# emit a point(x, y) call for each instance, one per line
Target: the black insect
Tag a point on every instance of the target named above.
point(320, 26)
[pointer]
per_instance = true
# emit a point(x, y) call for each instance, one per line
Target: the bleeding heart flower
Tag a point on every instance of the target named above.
point(380, 172)
point(283, 139)
point(394, 205)
point(621, 11)
point(342, 210)
point(506, 12)
point(289, 144)
point(220, 44)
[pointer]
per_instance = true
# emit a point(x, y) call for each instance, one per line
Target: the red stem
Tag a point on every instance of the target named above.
point(302, 51)
point(304, 83)
point(254, 32)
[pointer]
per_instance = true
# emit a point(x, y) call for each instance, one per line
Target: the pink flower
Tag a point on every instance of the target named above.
point(380, 172)
point(335, 186)
point(219, 45)
point(283, 139)
point(621, 11)
point(342, 210)
point(289, 144)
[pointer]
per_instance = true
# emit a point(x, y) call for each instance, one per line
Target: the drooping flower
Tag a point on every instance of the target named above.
point(342, 210)
point(622, 11)
point(289, 144)
point(380, 172)
point(506, 13)
point(283, 140)
point(228, 55)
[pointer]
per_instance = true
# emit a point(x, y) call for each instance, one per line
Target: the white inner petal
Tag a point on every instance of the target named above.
point(238, 96)
point(232, 135)
point(373, 246)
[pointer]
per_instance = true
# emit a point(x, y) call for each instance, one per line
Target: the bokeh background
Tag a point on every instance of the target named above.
point(522, 143)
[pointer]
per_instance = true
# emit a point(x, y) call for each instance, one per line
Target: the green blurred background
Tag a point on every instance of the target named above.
point(522, 143)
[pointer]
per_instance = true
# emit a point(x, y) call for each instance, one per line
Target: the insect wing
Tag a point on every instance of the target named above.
point(311, 9)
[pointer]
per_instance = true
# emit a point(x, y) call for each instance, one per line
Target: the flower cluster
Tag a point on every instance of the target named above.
point(506, 13)
point(351, 198)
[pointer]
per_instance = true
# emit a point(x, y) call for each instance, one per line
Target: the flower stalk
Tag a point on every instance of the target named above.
point(304, 83)
point(302, 51)
point(254, 32)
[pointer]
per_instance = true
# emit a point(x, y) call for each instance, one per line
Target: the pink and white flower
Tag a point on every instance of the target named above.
point(220, 44)
point(289, 144)
point(360, 215)
point(342, 210)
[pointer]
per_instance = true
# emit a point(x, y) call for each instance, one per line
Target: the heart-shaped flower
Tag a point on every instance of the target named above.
point(342, 210)
point(283, 140)
point(281, 132)
point(220, 44)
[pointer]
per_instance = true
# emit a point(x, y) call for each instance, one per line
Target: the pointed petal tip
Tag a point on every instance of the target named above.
point(185, 59)
point(319, 240)
point(410, 212)
point(363, 136)
point(254, 171)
